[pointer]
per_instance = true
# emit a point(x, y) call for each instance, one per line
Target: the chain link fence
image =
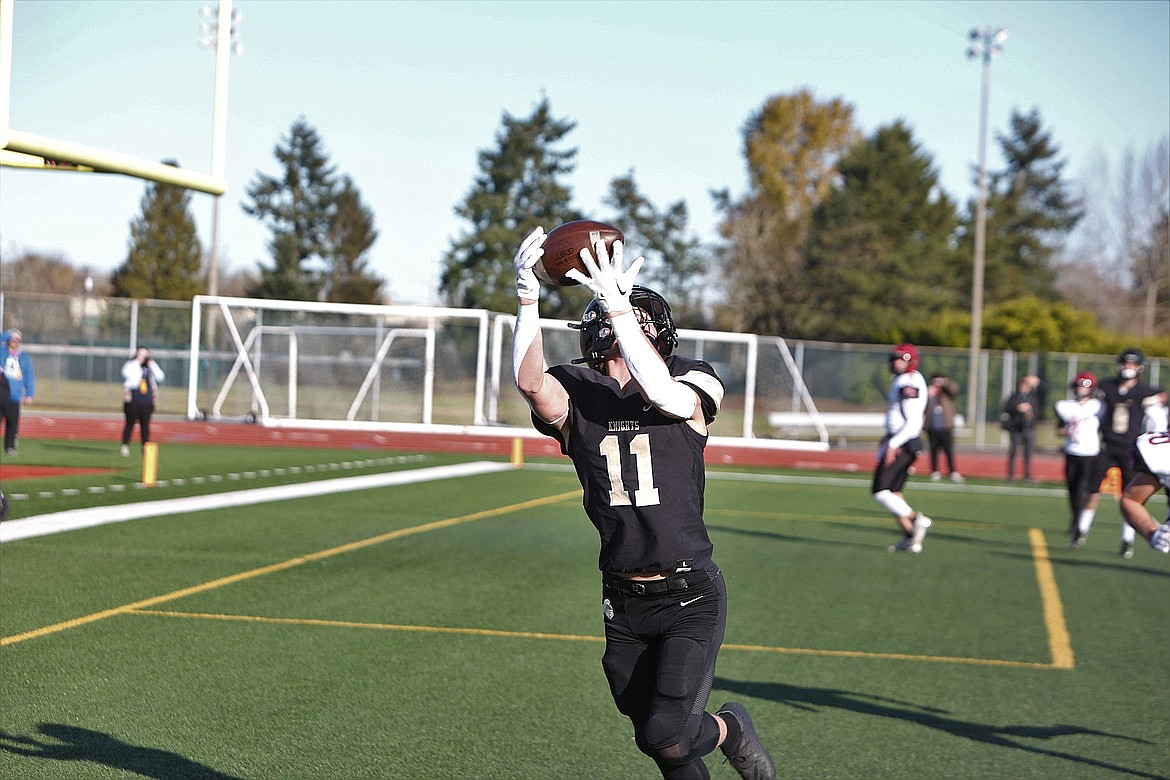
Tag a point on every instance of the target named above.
point(383, 366)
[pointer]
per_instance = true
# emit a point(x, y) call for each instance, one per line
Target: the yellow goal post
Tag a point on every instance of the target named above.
point(28, 150)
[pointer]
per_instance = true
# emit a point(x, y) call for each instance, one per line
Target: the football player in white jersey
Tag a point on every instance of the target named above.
point(1078, 419)
point(1151, 462)
point(901, 446)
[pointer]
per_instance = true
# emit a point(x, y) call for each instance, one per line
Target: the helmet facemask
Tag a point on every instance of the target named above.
point(598, 340)
point(1131, 363)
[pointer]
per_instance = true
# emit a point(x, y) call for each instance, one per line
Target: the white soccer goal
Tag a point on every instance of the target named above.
point(313, 364)
point(306, 362)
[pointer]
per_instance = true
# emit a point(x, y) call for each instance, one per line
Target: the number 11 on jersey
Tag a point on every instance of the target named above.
point(646, 493)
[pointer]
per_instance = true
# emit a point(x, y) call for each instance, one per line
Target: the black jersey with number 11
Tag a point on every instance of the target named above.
point(641, 471)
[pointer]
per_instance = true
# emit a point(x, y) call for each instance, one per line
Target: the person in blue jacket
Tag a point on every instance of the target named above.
point(18, 370)
point(3, 498)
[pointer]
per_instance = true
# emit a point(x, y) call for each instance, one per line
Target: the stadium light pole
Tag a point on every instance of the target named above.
point(223, 37)
point(986, 43)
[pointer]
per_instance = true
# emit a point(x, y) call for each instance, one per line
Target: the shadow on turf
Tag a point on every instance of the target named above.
point(1081, 560)
point(814, 699)
point(883, 534)
point(73, 743)
point(89, 448)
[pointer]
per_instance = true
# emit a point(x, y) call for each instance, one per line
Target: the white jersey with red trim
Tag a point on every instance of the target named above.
point(1081, 421)
point(1153, 450)
point(1155, 415)
point(905, 408)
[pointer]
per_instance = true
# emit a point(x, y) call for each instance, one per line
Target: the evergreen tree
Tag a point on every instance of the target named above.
point(351, 234)
point(519, 186)
point(1030, 211)
point(880, 254)
point(675, 263)
point(165, 258)
point(298, 206)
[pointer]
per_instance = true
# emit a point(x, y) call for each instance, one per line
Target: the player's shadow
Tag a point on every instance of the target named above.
point(73, 743)
point(88, 448)
point(880, 534)
point(774, 536)
point(1113, 565)
point(814, 699)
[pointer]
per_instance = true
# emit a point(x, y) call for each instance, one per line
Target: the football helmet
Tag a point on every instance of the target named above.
point(598, 340)
point(1083, 384)
point(1131, 355)
point(907, 352)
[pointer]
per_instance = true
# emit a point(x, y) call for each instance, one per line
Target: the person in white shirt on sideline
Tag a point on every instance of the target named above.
point(140, 378)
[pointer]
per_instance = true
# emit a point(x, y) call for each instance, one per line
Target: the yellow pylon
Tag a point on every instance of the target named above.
point(150, 463)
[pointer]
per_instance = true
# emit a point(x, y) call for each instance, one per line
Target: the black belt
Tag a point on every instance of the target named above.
point(672, 584)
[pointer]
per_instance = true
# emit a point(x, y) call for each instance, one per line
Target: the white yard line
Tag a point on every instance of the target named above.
point(73, 519)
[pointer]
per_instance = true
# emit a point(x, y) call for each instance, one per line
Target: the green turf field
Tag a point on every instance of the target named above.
point(451, 629)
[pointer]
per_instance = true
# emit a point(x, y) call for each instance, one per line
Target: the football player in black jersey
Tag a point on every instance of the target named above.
point(634, 419)
point(1125, 397)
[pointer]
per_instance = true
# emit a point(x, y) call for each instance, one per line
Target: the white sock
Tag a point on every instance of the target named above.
point(893, 502)
point(1085, 520)
point(1127, 533)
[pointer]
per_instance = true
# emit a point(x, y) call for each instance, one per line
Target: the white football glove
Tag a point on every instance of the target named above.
point(530, 251)
point(605, 277)
point(1160, 541)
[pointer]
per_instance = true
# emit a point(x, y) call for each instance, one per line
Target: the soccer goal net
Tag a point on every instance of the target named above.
point(337, 365)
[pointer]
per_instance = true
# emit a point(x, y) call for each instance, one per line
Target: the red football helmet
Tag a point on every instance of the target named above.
point(907, 352)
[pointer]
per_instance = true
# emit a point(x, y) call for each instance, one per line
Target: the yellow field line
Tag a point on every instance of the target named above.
point(283, 565)
point(941, 659)
point(576, 638)
point(371, 626)
point(1059, 644)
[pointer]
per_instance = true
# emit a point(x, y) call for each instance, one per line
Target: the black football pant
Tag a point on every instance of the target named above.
point(1079, 472)
point(1117, 454)
point(659, 659)
point(893, 477)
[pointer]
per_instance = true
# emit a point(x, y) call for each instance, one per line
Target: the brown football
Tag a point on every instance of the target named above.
point(562, 249)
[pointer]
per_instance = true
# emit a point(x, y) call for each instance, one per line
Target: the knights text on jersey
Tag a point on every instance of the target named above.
point(641, 471)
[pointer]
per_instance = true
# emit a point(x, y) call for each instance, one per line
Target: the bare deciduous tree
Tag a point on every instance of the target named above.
point(1143, 210)
point(1118, 265)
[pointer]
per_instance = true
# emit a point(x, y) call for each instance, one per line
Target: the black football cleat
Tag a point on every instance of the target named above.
point(747, 755)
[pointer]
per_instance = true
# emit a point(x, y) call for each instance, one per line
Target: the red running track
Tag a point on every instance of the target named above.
point(1046, 466)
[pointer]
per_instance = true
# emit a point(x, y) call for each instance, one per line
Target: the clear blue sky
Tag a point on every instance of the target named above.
point(404, 96)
